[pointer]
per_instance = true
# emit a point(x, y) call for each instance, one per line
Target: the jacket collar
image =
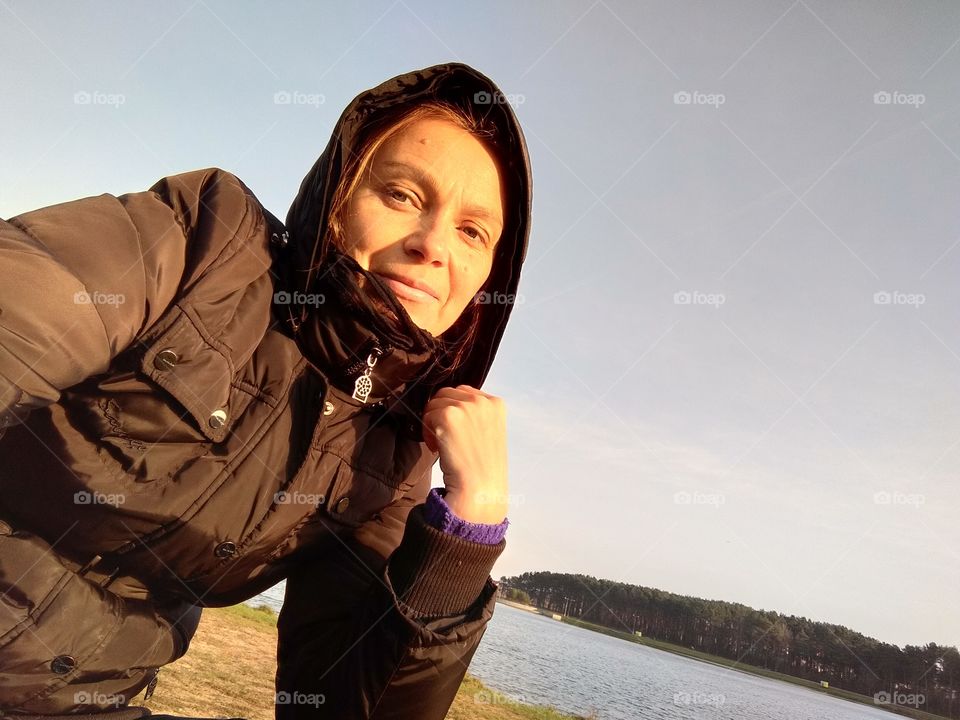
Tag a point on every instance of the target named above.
point(363, 342)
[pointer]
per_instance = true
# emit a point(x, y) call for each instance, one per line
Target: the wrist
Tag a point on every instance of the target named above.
point(479, 508)
point(439, 514)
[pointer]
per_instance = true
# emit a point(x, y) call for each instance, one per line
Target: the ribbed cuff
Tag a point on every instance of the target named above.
point(438, 514)
point(438, 574)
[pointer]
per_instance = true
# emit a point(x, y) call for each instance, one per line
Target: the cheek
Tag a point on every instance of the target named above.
point(479, 272)
point(468, 280)
point(360, 236)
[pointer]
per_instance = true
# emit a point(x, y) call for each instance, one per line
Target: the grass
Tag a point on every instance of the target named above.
point(752, 669)
point(229, 672)
point(475, 700)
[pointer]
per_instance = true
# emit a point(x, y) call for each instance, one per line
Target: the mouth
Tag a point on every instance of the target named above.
point(410, 289)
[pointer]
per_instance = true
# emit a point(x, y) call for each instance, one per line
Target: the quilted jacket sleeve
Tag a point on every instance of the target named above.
point(398, 634)
point(80, 280)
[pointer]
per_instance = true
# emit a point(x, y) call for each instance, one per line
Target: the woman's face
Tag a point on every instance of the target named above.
point(426, 219)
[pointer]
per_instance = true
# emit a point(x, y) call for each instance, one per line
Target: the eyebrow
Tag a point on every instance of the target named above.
point(428, 180)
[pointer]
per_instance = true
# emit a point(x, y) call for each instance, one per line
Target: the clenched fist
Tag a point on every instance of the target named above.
point(468, 428)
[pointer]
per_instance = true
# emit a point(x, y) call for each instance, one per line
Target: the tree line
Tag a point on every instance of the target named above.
point(788, 644)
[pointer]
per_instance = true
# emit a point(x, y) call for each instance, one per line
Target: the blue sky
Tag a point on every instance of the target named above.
point(735, 372)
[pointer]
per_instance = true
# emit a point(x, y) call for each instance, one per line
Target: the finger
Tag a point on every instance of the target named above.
point(429, 436)
point(464, 396)
point(435, 405)
point(475, 391)
point(458, 391)
point(439, 423)
point(430, 440)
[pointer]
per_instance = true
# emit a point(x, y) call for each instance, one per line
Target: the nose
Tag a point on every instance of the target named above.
point(430, 241)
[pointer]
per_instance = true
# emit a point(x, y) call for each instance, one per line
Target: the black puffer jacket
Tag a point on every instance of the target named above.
point(169, 443)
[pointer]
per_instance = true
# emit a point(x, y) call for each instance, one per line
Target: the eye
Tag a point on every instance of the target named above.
point(474, 234)
point(398, 196)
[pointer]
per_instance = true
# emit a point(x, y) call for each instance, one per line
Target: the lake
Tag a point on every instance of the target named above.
point(534, 659)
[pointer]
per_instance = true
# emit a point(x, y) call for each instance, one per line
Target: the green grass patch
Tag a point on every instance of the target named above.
point(475, 701)
point(262, 614)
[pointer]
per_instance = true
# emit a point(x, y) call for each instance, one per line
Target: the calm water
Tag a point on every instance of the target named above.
point(534, 659)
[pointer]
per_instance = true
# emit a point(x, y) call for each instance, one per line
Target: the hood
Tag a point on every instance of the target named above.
point(309, 258)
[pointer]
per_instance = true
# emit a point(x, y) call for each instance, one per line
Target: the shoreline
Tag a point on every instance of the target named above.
point(730, 664)
point(230, 667)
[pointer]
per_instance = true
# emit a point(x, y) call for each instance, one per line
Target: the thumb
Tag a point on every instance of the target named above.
point(430, 438)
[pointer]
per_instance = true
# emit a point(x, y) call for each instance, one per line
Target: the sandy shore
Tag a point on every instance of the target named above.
point(229, 672)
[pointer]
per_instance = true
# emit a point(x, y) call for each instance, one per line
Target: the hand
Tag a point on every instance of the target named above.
point(468, 428)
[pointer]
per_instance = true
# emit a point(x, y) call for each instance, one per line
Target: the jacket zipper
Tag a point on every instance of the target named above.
point(363, 384)
point(151, 686)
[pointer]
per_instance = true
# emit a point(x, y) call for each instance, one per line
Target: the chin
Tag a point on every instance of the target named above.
point(421, 322)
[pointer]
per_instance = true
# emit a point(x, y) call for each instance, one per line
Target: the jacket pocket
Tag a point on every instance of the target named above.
point(160, 408)
point(59, 631)
point(353, 497)
point(359, 493)
point(197, 370)
point(376, 470)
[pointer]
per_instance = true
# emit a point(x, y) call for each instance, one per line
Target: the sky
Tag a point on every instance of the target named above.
point(734, 368)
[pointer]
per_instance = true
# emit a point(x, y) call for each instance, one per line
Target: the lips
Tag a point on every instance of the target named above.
point(409, 288)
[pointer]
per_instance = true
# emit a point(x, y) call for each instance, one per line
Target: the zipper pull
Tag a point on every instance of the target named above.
point(363, 384)
point(281, 239)
point(151, 686)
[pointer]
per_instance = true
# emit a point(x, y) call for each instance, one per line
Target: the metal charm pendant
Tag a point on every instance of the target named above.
point(362, 387)
point(363, 384)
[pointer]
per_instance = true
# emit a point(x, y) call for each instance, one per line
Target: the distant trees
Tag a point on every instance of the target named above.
point(515, 595)
point(788, 644)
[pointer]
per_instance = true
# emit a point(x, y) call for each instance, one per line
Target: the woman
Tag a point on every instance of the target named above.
point(199, 402)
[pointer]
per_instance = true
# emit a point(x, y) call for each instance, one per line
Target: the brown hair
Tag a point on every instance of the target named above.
point(460, 337)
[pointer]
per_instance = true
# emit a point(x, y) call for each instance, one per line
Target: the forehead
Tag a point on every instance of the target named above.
point(446, 157)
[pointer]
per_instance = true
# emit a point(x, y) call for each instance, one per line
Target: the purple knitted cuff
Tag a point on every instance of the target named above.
point(438, 514)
